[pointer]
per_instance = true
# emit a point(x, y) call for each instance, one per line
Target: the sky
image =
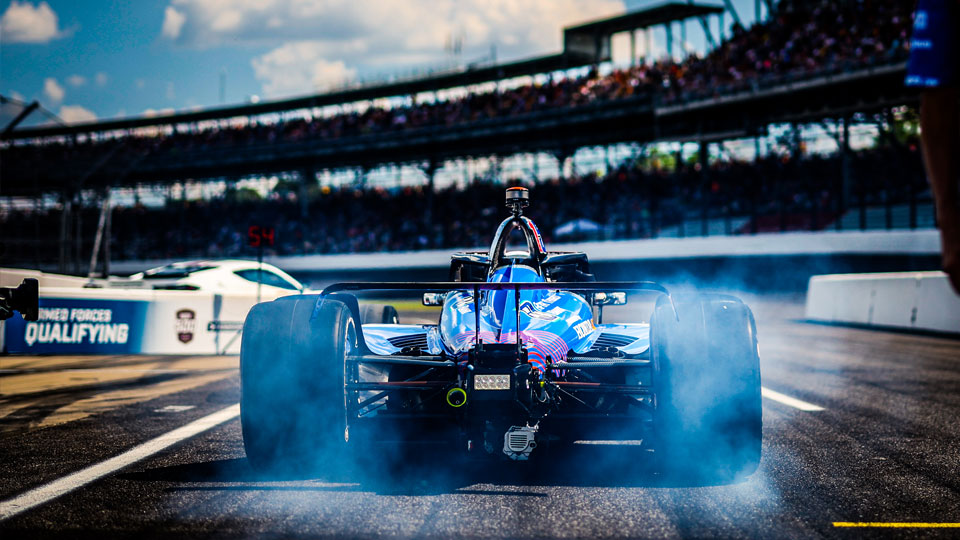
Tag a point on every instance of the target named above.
point(95, 59)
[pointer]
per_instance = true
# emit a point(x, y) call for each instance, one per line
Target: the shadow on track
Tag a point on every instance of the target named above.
point(434, 473)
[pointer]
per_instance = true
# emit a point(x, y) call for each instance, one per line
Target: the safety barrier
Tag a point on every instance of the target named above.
point(901, 242)
point(911, 300)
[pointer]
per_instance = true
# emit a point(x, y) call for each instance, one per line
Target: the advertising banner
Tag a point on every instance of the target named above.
point(115, 321)
point(71, 326)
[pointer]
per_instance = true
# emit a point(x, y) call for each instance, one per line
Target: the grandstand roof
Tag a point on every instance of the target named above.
point(583, 45)
point(465, 77)
point(645, 18)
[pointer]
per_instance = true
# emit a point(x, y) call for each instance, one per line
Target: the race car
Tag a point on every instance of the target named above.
point(230, 276)
point(518, 363)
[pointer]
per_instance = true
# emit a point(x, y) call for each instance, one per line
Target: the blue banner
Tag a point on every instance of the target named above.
point(79, 326)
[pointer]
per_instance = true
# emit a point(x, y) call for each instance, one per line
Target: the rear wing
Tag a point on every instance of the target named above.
point(476, 287)
point(444, 286)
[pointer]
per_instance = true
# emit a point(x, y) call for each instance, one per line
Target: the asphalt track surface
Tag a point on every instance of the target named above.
point(883, 449)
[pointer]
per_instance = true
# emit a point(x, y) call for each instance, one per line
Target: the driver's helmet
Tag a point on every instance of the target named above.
point(497, 304)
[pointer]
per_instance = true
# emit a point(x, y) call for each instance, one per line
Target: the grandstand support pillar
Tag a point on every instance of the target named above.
point(78, 237)
point(360, 176)
point(683, 39)
point(108, 231)
point(648, 48)
point(733, 12)
point(308, 177)
point(561, 155)
point(182, 238)
point(37, 206)
point(769, 4)
point(797, 141)
point(756, 11)
point(707, 32)
point(669, 28)
point(431, 171)
point(704, 186)
point(65, 221)
point(845, 174)
point(633, 48)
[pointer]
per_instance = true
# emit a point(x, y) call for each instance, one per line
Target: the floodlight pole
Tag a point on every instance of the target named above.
point(100, 237)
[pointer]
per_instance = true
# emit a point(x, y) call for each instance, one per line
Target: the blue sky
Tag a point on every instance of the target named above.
point(84, 59)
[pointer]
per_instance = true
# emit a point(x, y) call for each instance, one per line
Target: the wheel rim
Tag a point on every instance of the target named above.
point(350, 374)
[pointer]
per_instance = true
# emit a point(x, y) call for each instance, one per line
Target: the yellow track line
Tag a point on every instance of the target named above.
point(896, 525)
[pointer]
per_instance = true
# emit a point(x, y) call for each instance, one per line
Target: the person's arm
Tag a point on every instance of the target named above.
point(940, 134)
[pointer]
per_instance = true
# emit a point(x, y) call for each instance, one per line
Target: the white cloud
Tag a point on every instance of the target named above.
point(53, 90)
point(24, 23)
point(150, 113)
point(529, 26)
point(101, 78)
point(172, 23)
point(73, 114)
point(299, 68)
point(140, 84)
point(17, 95)
point(378, 36)
point(76, 80)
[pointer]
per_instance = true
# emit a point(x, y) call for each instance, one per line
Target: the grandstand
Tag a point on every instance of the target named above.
point(847, 67)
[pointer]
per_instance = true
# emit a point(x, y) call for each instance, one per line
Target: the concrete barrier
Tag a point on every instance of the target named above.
point(11, 277)
point(910, 300)
point(898, 242)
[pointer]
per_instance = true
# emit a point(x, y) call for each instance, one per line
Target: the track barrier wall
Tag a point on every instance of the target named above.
point(907, 300)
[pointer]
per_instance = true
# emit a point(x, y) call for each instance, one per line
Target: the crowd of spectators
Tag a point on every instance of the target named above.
point(629, 202)
point(803, 37)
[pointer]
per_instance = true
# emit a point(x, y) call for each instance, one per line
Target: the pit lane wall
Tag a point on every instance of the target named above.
point(906, 300)
point(111, 321)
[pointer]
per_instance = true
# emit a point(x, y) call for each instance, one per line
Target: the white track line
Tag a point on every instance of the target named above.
point(787, 400)
point(47, 492)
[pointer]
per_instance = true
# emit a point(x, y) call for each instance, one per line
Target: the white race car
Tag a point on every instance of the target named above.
point(221, 276)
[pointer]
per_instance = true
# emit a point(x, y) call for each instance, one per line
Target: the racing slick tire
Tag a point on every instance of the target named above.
point(379, 314)
point(706, 376)
point(292, 404)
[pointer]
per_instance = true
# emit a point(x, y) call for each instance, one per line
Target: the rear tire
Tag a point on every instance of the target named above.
point(292, 401)
point(378, 314)
point(706, 375)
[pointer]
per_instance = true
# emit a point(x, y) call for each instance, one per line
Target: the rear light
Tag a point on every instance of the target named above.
point(491, 382)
